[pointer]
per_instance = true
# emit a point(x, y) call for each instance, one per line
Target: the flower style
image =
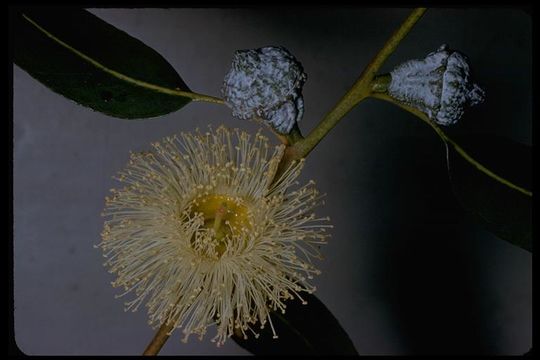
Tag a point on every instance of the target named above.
point(203, 232)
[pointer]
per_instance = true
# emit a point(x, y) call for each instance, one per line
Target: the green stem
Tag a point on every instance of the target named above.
point(448, 140)
point(123, 77)
point(380, 83)
point(159, 339)
point(291, 138)
point(358, 92)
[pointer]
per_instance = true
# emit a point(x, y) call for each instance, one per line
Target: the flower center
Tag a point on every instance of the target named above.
point(226, 218)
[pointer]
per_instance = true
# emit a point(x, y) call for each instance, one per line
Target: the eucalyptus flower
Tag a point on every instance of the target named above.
point(266, 84)
point(204, 235)
point(440, 85)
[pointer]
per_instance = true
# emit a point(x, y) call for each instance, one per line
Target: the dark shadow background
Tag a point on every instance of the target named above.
point(405, 271)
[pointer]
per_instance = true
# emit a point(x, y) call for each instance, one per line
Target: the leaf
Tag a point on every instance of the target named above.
point(85, 59)
point(502, 210)
point(303, 330)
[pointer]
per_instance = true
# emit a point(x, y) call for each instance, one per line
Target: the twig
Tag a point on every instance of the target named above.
point(159, 339)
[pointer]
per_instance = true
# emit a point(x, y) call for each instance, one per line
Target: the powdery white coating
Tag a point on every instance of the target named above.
point(280, 116)
point(439, 85)
point(266, 83)
point(201, 234)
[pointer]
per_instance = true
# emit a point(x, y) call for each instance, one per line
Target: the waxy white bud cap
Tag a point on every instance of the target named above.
point(439, 85)
point(266, 83)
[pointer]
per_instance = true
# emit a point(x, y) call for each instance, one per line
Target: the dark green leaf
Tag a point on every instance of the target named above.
point(68, 73)
point(502, 210)
point(303, 330)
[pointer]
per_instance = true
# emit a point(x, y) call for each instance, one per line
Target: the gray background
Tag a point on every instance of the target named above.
point(405, 272)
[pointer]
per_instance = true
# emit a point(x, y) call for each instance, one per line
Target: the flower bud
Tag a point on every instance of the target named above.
point(266, 83)
point(439, 85)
